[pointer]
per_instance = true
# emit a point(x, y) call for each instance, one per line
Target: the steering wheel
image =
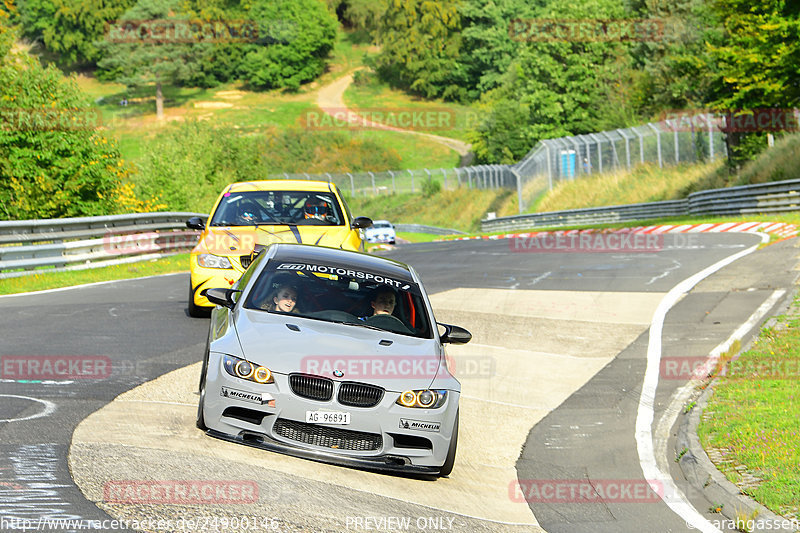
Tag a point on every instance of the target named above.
point(388, 322)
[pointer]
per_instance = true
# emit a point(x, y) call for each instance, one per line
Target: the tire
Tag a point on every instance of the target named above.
point(201, 421)
point(196, 311)
point(447, 467)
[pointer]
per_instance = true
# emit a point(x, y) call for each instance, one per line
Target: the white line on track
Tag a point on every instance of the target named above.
point(46, 291)
point(680, 397)
point(49, 408)
point(661, 482)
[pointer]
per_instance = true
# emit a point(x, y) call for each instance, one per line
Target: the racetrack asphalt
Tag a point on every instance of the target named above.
point(568, 314)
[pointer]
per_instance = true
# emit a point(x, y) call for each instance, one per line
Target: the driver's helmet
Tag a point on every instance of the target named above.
point(316, 208)
point(247, 212)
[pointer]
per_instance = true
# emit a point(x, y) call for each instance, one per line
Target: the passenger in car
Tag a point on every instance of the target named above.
point(284, 299)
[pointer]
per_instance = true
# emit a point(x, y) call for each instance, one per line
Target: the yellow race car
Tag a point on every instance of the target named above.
point(249, 216)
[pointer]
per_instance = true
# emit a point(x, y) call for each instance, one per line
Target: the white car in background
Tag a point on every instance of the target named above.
point(380, 231)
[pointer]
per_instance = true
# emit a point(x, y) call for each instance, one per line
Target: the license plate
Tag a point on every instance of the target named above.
point(328, 417)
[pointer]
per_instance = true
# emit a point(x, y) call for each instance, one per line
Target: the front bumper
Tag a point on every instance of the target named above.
point(380, 238)
point(400, 449)
point(203, 279)
point(385, 463)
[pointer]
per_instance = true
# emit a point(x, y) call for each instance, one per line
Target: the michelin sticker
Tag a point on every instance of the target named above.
point(252, 397)
point(419, 425)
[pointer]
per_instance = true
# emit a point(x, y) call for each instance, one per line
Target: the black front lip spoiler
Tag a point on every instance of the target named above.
point(383, 463)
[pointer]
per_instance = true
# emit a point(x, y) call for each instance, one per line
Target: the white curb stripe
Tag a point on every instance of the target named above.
point(661, 482)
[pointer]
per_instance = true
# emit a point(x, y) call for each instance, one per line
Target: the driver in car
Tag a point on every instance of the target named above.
point(247, 213)
point(384, 301)
point(316, 208)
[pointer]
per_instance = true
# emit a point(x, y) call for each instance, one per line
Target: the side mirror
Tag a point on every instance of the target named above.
point(455, 334)
point(362, 222)
point(196, 223)
point(223, 297)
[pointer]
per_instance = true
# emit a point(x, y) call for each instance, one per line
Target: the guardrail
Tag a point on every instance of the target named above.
point(433, 230)
point(774, 197)
point(89, 242)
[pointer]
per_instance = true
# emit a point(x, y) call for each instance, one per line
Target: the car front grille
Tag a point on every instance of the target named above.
point(245, 260)
point(311, 387)
point(359, 395)
point(328, 437)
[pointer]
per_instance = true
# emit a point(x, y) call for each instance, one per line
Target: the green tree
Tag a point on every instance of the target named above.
point(362, 15)
point(298, 36)
point(557, 85)
point(759, 63)
point(70, 28)
point(6, 34)
point(420, 47)
point(487, 46)
point(142, 48)
point(54, 161)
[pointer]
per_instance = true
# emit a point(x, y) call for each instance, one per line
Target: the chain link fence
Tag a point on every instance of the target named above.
point(361, 184)
point(667, 142)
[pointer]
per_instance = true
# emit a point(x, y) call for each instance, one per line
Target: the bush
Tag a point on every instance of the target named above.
point(54, 161)
point(187, 165)
point(430, 187)
point(300, 34)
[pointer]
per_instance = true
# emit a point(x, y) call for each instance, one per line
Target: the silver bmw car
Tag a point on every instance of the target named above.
point(334, 356)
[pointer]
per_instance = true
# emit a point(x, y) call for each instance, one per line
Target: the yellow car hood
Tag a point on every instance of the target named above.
point(239, 240)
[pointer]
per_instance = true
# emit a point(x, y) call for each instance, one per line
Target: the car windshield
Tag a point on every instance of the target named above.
point(340, 294)
point(300, 208)
point(381, 225)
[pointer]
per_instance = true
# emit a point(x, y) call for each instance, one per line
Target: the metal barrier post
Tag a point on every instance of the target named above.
point(658, 143)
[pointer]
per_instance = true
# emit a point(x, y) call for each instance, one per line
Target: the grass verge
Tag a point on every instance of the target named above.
point(375, 99)
point(645, 183)
point(460, 209)
point(44, 280)
point(751, 421)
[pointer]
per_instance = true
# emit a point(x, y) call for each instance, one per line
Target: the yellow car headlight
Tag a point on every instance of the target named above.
point(213, 261)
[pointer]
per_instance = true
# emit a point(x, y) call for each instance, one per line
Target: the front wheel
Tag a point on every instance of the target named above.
point(201, 421)
point(196, 311)
point(447, 467)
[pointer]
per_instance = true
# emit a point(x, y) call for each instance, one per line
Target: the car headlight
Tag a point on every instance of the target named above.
point(239, 368)
point(213, 261)
point(424, 399)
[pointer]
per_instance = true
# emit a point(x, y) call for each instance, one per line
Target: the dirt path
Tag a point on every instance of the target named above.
point(331, 100)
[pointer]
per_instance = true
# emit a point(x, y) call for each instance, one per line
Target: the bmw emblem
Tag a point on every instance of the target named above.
point(338, 373)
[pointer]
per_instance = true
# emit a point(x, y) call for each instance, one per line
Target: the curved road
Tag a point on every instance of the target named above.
point(551, 382)
point(331, 100)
